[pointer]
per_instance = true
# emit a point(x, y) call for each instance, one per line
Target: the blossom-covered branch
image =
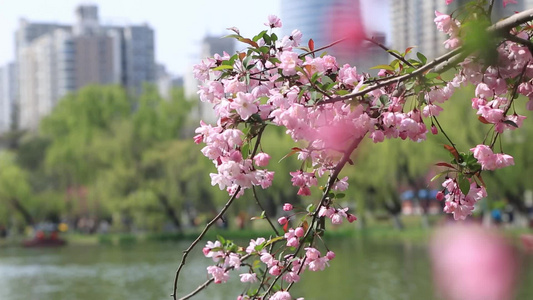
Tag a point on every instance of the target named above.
point(328, 109)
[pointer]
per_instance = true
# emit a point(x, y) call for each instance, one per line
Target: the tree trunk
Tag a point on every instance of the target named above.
point(171, 213)
point(25, 213)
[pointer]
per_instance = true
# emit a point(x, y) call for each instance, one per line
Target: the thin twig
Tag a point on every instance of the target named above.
point(390, 52)
point(197, 240)
point(321, 48)
point(264, 212)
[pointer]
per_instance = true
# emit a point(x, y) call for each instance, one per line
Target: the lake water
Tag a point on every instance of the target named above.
point(361, 270)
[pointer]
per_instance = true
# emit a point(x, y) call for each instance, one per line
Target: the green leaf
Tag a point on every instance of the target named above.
point(383, 99)
point(310, 208)
point(340, 195)
point(342, 92)
point(432, 75)
point(423, 59)
point(509, 122)
point(464, 184)
point(386, 67)
point(259, 36)
point(223, 67)
point(245, 150)
point(438, 175)
point(235, 36)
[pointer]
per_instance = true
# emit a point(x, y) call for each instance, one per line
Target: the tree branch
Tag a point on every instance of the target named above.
point(197, 240)
point(390, 52)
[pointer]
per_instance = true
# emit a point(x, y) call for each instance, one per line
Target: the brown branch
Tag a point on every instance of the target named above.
point(209, 281)
point(321, 48)
point(338, 168)
point(384, 83)
point(390, 52)
point(264, 212)
point(197, 240)
point(500, 28)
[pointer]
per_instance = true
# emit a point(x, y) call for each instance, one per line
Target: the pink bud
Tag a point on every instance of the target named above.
point(206, 250)
point(351, 218)
point(434, 129)
point(282, 221)
point(287, 207)
point(440, 196)
point(330, 255)
point(299, 232)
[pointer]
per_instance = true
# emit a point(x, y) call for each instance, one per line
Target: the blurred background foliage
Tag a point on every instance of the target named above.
point(103, 156)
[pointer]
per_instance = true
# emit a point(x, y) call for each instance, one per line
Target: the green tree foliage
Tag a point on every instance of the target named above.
point(15, 191)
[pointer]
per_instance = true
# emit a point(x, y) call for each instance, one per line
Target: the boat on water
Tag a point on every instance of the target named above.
point(42, 239)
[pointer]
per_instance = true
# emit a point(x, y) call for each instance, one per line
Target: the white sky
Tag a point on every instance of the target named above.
point(179, 25)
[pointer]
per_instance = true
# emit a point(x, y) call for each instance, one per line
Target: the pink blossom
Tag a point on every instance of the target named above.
point(330, 255)
point(483, 91)
point(245, 105)
point(304, 191)
point(341, 185)
point(326, 211)
point(318, 264)
point(312, 253)
point(338, 217)
point(233, 260)
point(281, 295)
point(248, 277)
point(218, 273)
point(289, 61)
point(253, 244)
point(282, 220)
point(273, 22)
point(291, 277)
point(443, 21)
point(292, 238)
point(261, 159)
point(287, 207)
point(216, 255)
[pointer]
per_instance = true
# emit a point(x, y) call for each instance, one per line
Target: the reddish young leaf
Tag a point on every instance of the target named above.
point(452, 151)
point(311, 45)
point(483, 120)
point(249, 42)
point(443, 164)
point(286, 227)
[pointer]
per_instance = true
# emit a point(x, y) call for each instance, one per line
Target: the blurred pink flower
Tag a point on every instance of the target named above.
point(470, 262)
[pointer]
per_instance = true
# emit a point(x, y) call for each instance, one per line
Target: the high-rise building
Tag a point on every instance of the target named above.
point(412, 23)
point(8, 88)
point(412, 26)
point(55, 59)
point(329, 21)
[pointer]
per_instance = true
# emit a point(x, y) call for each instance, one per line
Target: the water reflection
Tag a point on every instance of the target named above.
point(361, 270)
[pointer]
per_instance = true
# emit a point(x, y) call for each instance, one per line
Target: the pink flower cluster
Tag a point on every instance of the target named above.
point(445, 23)
point(490, 160)
point(223, 147)
point(290, 266)
point(336, 215)
point(459, 204)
